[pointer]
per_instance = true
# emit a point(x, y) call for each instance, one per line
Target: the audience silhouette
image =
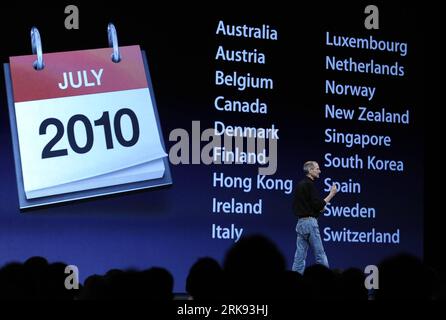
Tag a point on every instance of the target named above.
point(253, 269)
point(205, 281)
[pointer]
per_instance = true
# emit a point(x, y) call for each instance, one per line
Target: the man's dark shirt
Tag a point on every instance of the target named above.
point(307, 202)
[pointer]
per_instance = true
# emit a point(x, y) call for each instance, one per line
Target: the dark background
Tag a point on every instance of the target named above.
point(170, 227)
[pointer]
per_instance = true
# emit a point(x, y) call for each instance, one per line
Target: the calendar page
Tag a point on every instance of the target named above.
point(84, 122)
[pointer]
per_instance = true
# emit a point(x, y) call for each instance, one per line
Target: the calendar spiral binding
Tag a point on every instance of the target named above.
point(36, 45)
point(113, 42)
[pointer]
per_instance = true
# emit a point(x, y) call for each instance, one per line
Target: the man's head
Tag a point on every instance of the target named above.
point(312, 170)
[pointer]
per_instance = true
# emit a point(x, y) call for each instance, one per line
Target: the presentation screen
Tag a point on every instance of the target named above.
point(189, 129)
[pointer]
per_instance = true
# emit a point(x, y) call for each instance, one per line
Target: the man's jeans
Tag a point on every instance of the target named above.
point(308, 235)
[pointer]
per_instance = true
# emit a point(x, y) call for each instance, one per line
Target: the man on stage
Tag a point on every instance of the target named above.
point(307, 206)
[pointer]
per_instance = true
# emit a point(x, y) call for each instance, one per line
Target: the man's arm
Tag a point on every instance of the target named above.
point(330, 196)
point(332, 193)
point(316, 202)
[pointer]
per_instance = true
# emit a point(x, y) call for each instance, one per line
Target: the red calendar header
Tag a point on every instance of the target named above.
point(77, 73)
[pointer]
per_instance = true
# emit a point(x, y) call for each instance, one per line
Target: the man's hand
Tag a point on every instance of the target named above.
point(333, 189)
point(331, 194)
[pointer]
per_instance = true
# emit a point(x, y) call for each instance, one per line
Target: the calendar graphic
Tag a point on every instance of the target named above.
point(84, 125)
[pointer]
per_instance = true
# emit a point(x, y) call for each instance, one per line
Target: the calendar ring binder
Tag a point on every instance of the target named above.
point(36, 45)
point(113, 42)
